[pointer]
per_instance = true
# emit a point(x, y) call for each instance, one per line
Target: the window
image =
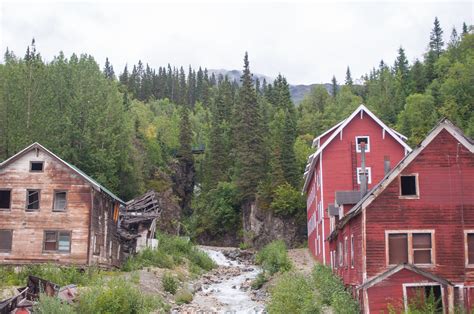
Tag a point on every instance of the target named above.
point(110, 249)
point(96, 245)
point(345, 251)
point(368, 173)
point(118, 252)
point(36, 166)
point(57, 241)
point(422, 248)
point(5, 199)
point(32, 199)
point(409, 185)
point(410, 247)
point(470, 248)
point(341, 254)
point(359, 140)
point(352, 251)
point(397, 248)
point(6, 240)
point(60, 201)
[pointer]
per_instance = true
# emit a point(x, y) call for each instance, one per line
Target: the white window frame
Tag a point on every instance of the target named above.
point(421, 284)
point(369, 174)
point(367, 145)
point(466, 248)
point(352, 251)
point(341, 254)
point(417, 196)
point(345, 252)
point(409, 234)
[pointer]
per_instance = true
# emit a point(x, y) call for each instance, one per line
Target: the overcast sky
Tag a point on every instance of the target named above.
point(306, 42)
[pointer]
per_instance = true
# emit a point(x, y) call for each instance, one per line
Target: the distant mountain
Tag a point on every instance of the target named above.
point(297, 91)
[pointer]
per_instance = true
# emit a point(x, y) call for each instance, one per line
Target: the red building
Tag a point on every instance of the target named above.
point(336, 166)
point(412, 234)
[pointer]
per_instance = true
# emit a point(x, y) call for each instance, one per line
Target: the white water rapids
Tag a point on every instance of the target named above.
point(223, 294)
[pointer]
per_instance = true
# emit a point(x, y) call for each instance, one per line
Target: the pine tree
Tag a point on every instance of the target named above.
point(334, 87)
point(248, 138)
point(109, 70)
point(436, 38)
point(348, 81)
point(123, 78)
point(454, 39)
point(465, 30)
point(186, 175)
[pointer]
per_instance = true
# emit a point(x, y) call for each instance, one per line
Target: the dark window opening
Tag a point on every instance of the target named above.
point(360, 140)
point(59, 241)
point(397, 248)
point(470, 248)
point(408, 185)
point(5, 199)
point(32, 199)
point(60, 201)
point(36, 166)
point(5, 240)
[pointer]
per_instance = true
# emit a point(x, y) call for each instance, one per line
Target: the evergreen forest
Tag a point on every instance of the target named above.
point(237, 141)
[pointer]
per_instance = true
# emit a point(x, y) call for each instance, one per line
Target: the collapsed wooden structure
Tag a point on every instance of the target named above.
point(138, 222)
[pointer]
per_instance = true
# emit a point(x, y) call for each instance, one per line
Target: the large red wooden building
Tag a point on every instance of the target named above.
point(336, 166)
point(412, 234)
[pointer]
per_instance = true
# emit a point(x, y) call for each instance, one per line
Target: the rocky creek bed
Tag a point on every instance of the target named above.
point(227, 289)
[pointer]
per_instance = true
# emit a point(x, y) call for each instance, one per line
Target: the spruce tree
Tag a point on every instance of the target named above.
point(436, 38)
point(454, 39)
point(334, 88)
point(248, 138)
point(185, 177)
point(109, 70)
point(348, 80)
point(465, 29)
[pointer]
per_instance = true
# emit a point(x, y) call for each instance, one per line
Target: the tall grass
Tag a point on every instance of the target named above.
point(171, 251)
point(274, 257)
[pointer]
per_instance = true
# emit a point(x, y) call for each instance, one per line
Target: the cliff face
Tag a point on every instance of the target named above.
point(263, 226)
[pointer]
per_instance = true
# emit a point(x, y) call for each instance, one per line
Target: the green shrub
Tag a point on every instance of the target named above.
point(52, 305)
point(117, 296)
point(244, 245)
point(274, 258)
point(183, 296)
point(343, 303)
point(326, 283)
point(287, 200)
point(259, 281)
point(293, 293)
point(170, 283)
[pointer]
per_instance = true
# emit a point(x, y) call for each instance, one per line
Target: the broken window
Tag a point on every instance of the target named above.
point(36, 166)
point(5, 199)
point(32, 199)
point(470, 248)
point(397, 248)
point(362, 139)
point(368, 173)
point(57, 241)
point(60, 200)
point(6, 240)
point(408, 186)
point(422, 248)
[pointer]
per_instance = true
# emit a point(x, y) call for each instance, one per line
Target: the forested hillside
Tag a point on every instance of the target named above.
point(236, 142)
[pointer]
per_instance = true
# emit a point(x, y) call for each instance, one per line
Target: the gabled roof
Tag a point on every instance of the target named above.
point(391, 271)
point(443, 124)
point(94, 183)
point(338, 128)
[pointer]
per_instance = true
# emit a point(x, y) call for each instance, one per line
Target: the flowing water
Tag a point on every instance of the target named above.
point(226, 290)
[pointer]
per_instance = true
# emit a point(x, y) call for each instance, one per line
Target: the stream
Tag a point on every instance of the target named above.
point(227, 288)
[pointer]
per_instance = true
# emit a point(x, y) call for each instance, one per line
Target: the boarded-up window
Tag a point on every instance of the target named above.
point(368, 174)
point(57, 241)
point(408, 185)
point(60, 200)
point(397, 248)
point(5, 240)
point(422, 248)
point(470, 248)
point(5, 199)
point(32, 199)
point(36, 166)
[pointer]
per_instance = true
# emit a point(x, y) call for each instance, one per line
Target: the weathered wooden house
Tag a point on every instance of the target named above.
point(50, 211)
point(336, 166)
point(412, 234)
